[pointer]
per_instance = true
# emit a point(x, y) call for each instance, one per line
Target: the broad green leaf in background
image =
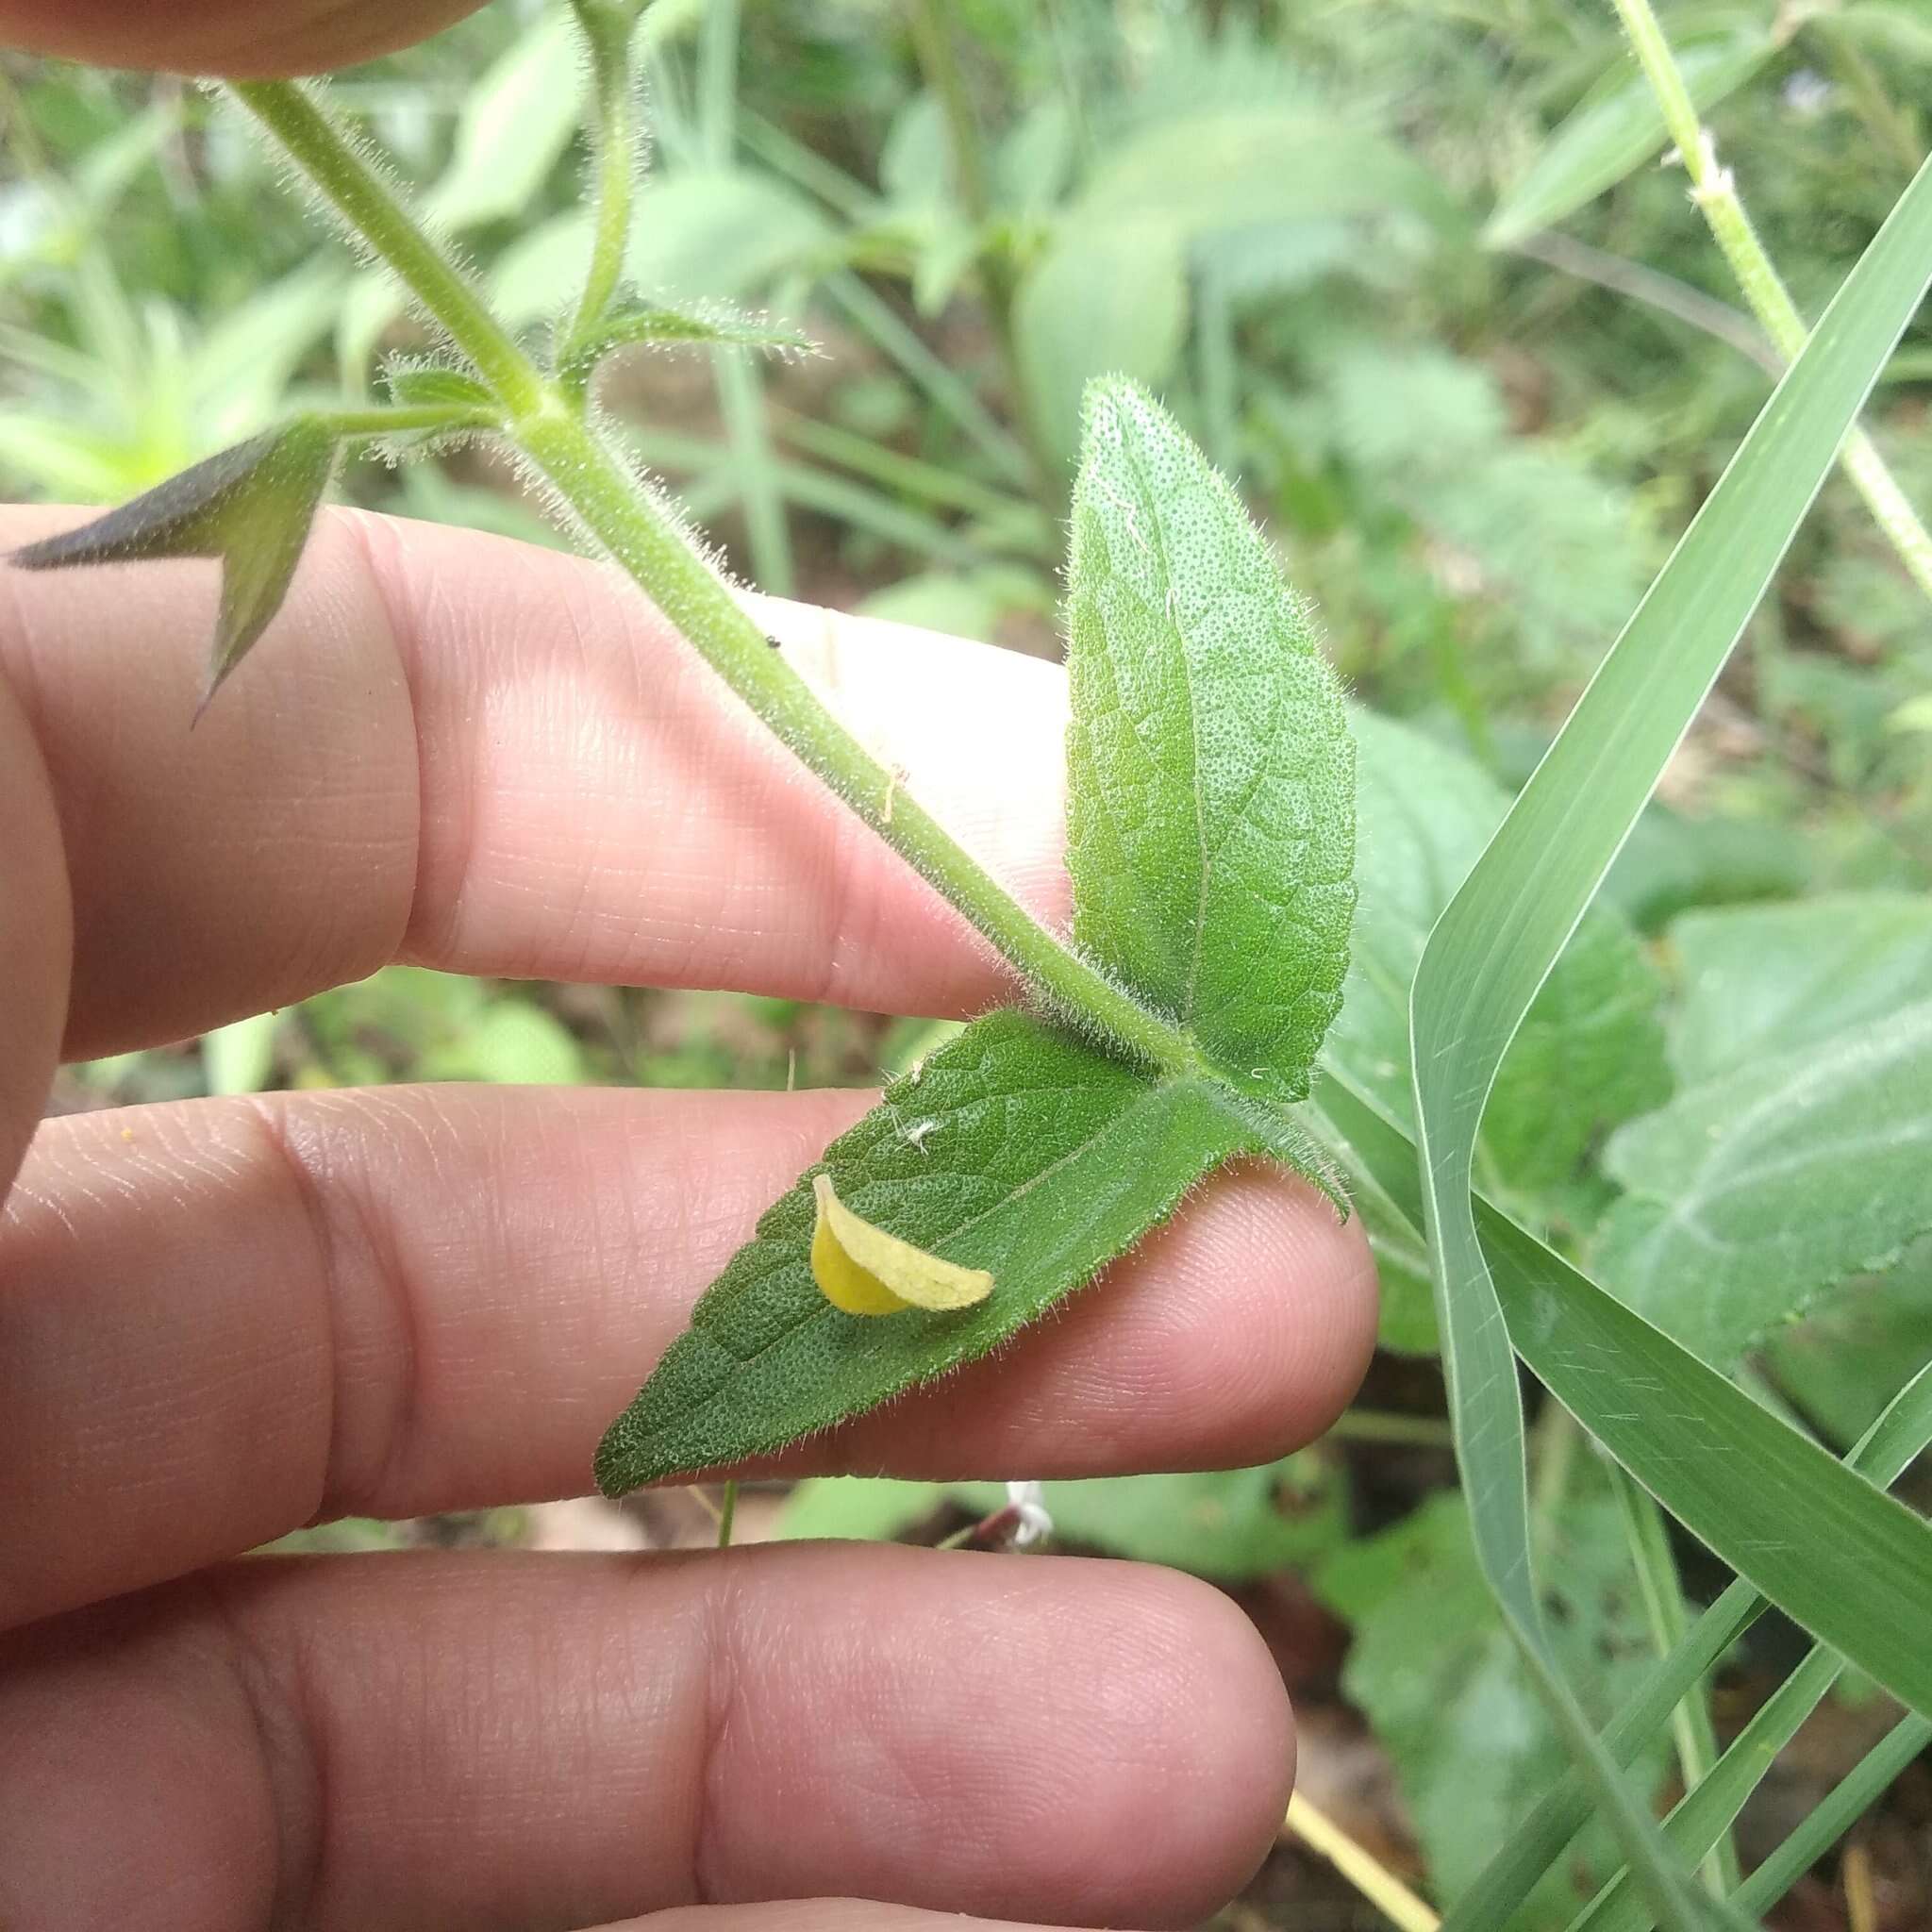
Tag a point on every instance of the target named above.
point(1494, 945)
point(1448, 1693)
point(515, 1041)
point(1231, 1525)
point(240, 1057)
point(1107, 297)
point(1423, 813)
point(1762, 980)
point(1017, 1149)
point(1110, 294)
point(517, 120)
point(1840, 1364)
point(1239, 167)
point(1619, 127)
point(855, 1509)
point(1750, 1196)
point(1210, 823)
point(697, 233)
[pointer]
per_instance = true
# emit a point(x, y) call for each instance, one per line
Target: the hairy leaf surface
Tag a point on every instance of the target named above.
point(1754, 1193)
point(1765, 979)
point(1018, 1150)
point(1211, 776)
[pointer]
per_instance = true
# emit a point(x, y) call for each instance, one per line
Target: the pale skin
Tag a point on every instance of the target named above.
point(222, 1320)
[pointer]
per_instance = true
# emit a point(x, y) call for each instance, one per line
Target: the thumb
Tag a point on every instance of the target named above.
point(244, 40)
point(36, 936)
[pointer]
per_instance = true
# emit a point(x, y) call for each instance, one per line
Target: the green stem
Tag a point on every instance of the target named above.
point(627, 522)
point(1716, 193)
point(727, 1513)
point(645, 541)
point(932, 40)
point(359, 196)
point(350, 422)
point(607, 26)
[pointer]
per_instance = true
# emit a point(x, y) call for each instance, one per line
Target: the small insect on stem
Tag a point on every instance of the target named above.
point(894, 778)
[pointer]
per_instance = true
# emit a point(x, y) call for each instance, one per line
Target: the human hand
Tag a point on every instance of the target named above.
point(222, 1320)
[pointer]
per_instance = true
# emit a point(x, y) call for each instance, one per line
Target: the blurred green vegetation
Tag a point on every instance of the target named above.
point(1474, 384)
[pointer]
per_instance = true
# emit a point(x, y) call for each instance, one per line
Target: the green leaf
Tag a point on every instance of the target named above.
point(516, 121)
point(1618, 127)
point(519, 1044)
point(1210, 173)
point(1589, 1053)
point(1073, 326)
point(1435, 1672)
point(1228, 1524)
point(1752, 1194)
point(702, 232)
point(1492, 948)
point(1423, 813)
point(251, 506)
point(1210, 820)
point(413, 383)
point(1765, 979)
point(662, 326)
point(240, 1057)
point(1841, 1365)
point(1017, 1149)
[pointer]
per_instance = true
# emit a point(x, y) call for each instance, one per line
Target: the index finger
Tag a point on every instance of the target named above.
point(243, 38)
point(492, 758)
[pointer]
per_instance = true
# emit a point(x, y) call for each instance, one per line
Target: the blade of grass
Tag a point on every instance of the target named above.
point(1829, 1822)
point(1663, 1605)
point(1698, 1487)
point(807, 487)
point(1716, 193)
point(948, 392)
point(1702, 1817)
point(1497, 940)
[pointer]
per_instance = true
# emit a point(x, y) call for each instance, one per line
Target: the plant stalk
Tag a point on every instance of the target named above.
point(1715, 192)
point(932, 40)
point(617, 138)
point(362, 200)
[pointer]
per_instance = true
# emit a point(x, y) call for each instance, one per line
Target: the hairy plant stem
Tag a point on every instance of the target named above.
point(616, 139)
point(613, 508)
point(363, 202)
point(1716, 194)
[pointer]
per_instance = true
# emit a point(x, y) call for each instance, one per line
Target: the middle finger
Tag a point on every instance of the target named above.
point(224, 1319)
